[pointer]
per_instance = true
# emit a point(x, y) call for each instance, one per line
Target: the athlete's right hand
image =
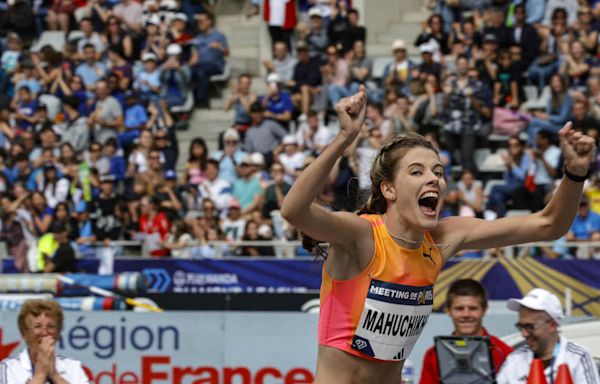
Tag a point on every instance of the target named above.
point(351, 114)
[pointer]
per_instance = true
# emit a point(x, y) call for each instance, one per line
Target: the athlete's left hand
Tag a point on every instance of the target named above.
point(578, 150)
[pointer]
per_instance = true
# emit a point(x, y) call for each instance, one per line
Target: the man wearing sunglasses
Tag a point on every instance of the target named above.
point(539, 314)
point(40, 323)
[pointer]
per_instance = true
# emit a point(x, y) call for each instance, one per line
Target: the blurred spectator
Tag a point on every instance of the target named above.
point(153, 41)
point(154, 173)
point(470, 195)
point(147, 82)
point(546, 157)
point(551, 50)
point(75, 130)
point(567, 7)
point(231, 155)
point(62, 214)
point(177, 30)
point(486, 60)
point(104, 213)
point(524, 34)
point(179, 241)
point(428, 65)
point(433, 29)
point(343, 29)
point(114, 155)
point(174, 77)
point(281, 18)
point(317, 38)
point(517, 163)
point(556, 112)
point(312, 135)
point(496, 26)
point(282, 64)
point(397, 73)
point(251, 233)
point(275, 192)
point(54, 188)
point(25, 106)
point(240, 100)
point(90, 70)
point(336, 76)
point(212, 48)
point(360, 68)
point(106, 117)
point(468, 110)
point(277, 103)
point(576, 66)
point(41, 213)
point(214, 187)
point(154, 226)
point(291, 158)
point(585, 29)
point(166, 144)
point(114, 35)
point(85, 231)
point(90, 37)
point(12, 231)
point(96, 159)
point(10, 59)
point(466, 304)
point(196, 164)
point(376, 119)
point(233, 224)
point(507, 93)
point(120, 67)
point(26, 76)
point(63, 259)
point(307, 78)
point(247, 188)
point(264, 135)
point(129, 12)
point(586, 226)
point(583, 120)
point(134, 119)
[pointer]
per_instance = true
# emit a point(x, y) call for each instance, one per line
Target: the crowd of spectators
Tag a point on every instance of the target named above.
point(88, 137)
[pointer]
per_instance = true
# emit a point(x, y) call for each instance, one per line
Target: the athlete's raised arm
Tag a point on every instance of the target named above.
point(548, 224)
point(298, 207)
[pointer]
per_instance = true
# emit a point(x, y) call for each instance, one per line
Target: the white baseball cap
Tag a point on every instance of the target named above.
point(315, 11)
point(174, 49)
point(149, 56)
point(399, 44)
point(539, 299)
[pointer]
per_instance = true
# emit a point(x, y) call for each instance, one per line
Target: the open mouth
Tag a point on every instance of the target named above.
point(428, 203)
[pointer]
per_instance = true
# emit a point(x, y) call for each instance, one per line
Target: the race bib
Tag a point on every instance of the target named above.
point(392, 320)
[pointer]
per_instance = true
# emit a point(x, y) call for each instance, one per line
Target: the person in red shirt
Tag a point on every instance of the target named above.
point(466, 304)
point(155, 225)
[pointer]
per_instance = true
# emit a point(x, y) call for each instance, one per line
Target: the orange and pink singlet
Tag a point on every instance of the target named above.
point(380, 313)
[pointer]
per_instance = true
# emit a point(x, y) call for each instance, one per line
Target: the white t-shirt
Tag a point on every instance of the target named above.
point(581, 365)
point(291, 163)
point(321, 138)
point(19, 370)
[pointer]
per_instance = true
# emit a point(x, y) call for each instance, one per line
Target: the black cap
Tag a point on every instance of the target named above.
point(490, 38)
point(107, 178)
point(257, 107)
point(58, 227)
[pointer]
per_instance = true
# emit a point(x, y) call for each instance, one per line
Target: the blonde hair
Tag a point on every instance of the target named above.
point(36, 307)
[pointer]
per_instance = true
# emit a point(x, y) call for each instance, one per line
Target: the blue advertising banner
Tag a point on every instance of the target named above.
point(504, 278)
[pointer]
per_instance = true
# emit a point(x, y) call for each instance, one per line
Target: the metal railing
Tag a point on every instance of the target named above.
point(287, 249)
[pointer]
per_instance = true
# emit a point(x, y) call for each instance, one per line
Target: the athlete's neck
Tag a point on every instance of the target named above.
point(401, 232)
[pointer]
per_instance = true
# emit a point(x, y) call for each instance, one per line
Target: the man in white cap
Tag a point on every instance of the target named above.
point(539, 314)
point(397, 73)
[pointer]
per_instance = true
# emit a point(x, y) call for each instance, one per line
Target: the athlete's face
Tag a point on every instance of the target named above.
point(467, 315)
point(419, 188)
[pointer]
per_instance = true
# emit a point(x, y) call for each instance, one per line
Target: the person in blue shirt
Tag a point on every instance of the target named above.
point(91, 70)
point(586, 225)
point(26, 106)
point(136, 118)
point(208, 59)
point(278, 104)
point(517, 163)
point(117, 161)
point(557, 111)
